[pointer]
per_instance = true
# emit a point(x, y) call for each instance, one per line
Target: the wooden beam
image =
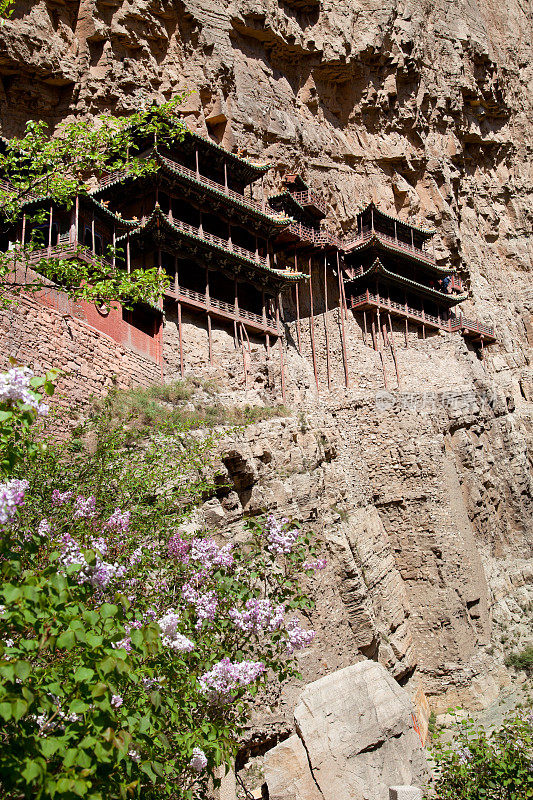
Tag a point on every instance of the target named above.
point(297, 294)
point(393, 350)
point(180, 336)
point(312, 322)
point(365, 332)
point(326, 321)
point(343, 333)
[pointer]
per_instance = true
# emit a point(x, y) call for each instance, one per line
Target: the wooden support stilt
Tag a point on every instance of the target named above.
point(282, 367)
point(268, 345)
point(113, 258)
point(378, 325)
point(365, 332)
point(23, 236)
point(312, 323)
point(209, 338)
point(406, 332)
point(128, 256)
point(326, 321)
point(297, 297)
point(77, 236)
point(236, 311)
point(385, 335)
point(92, 236)
point(393, 350)
point(343, 332)
point(244, 364)
point(374, 342)
point(247, 338)
point(180, 335)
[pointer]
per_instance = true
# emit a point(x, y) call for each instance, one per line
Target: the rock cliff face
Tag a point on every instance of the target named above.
point(421, 493)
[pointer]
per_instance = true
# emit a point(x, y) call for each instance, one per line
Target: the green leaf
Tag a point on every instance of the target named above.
point(83, 674)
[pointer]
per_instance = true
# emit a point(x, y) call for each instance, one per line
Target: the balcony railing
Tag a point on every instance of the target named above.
point(311, 198)
point(448, 323)
point(226, 310)
point(391, 240)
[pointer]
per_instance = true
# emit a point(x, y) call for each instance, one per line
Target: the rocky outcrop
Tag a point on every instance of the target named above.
point(355, 738)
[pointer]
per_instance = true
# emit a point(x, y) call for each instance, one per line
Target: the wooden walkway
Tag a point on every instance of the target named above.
point(469, 328)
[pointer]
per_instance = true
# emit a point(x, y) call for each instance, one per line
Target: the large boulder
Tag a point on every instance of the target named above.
point(356, 736)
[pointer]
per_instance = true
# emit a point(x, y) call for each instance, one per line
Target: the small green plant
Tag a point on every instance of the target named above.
point(188, 404)
point(522, 660)
point(432, 723)
point(481, 765)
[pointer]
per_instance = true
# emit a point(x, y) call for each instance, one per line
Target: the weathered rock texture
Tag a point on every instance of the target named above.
point(355, 739)
point(422, 495)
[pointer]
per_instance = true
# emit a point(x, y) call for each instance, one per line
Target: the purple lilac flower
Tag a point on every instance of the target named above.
point(298, 636)
point(85, 507)
point(199, 760)
point(116, 701)
point(100, 574)
point(123, 643)
point(258, 616)
point(206, 604)
point(171, 637)
point(178, 548)
point(15, 386)
point(44, 529)
point(119, 521)
point(279, 539)
point(221, 682)
point(320, 563)
point(464, 755)
point(135, 756)
point(210, 555)
point(11, 496)
point(58, 498)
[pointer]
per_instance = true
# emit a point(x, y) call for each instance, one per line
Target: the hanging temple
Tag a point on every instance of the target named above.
point(232, 258)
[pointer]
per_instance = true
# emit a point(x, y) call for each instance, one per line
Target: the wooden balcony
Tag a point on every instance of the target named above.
point(312, 201)
point(471, 329)
point(223, 310)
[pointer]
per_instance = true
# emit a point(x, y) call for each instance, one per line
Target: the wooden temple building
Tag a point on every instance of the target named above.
point(390, 272)
point(232, 258)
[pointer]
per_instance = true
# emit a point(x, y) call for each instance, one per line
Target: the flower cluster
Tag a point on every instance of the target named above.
point(210, 555)
point(280, 538)
point(59, 498)
point(99, 574)
point(178, 548)
point(206, 604)
point(258, 617)
point(11, 496)
point(320, 563)
point(15, 386)
point(198, 761)
point(119, 521)
point(226, 677)
point(85, 507)
point(298, 636)
point(44, 529)
point(171, 637)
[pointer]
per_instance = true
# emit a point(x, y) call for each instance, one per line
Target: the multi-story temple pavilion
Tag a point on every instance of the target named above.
point(244, 263)
point(390, 271)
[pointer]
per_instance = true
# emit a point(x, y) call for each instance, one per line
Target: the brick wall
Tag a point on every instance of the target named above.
point(43, 337)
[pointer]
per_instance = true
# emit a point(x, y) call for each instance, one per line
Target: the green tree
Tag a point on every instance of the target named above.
point(40, 166)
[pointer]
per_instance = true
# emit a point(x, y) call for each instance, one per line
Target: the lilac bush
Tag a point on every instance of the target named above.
point(156, 640)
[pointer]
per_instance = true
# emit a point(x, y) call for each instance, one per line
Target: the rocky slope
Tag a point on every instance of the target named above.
point(423, 494)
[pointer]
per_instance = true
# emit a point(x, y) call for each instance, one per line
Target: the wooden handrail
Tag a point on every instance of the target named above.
point(451, 323)
point(239, 314)
point(311, 198)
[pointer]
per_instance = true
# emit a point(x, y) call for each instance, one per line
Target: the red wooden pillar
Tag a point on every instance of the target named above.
point(298, 333)
point(312, 322)
point(280, 345)
point(343, 333)
point(180, 336)
point(326, 321)
point(209, 339)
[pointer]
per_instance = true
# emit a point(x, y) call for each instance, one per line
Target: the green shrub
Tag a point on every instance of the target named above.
point(522, 660)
